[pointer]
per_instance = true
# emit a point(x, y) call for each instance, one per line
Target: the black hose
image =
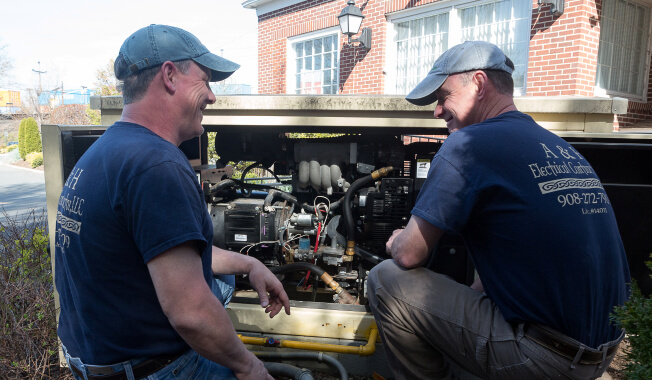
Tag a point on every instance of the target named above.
point(348, 199)
point(319, 356)
point(292, 267)
point(286, 370)
point(221, 185)
point(273, 193)
point(375, 259)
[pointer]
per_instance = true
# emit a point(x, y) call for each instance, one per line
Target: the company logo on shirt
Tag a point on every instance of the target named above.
point(72, 206)
point(560, 162)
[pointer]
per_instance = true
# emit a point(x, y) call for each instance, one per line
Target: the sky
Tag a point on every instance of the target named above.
point(73, 39)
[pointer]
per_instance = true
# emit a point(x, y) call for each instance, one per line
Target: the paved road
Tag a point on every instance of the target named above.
point(21, 191)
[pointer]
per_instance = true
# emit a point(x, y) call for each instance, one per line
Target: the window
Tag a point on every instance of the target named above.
point(313, 64)
point(420, 39)
point(622, 56)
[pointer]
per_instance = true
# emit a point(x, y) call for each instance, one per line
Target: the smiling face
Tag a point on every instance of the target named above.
point(457, 102)
point(197, 95)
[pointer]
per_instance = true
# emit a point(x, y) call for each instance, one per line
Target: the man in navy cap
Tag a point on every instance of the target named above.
point(141, 286)
point(538, 226)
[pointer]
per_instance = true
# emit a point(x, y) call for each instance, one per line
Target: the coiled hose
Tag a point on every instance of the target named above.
point(318, 356)
point(348, 200)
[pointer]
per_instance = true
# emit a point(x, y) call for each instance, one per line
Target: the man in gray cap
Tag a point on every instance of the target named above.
point(538, 226)
point(141, 286)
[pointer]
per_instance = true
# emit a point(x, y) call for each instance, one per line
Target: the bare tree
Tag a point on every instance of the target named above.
point(70, 114)
point(105, 81)
point(31, 105)
point(6, 66)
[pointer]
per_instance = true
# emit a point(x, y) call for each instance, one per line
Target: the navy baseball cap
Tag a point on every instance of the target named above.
point(155, 44)
point(467, 56)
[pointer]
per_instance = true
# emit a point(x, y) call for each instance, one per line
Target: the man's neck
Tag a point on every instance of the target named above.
point(148, 116)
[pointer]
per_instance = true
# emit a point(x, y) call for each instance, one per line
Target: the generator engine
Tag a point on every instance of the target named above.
point(338, 203)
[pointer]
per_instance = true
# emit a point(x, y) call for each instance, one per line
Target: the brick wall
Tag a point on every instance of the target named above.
point(360, 69)
point(563, 50)
point(562, 57)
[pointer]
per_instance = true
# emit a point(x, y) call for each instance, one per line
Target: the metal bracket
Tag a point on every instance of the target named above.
point(364, 40)
point(556, 6)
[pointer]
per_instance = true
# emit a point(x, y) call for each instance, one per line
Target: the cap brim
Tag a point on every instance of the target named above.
point(424, 93)
point(221, 68)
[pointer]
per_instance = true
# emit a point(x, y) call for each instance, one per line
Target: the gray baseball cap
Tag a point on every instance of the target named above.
point(467, 56)
point(155, 44)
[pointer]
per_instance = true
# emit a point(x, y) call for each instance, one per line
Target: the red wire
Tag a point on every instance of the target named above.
point(318, 233)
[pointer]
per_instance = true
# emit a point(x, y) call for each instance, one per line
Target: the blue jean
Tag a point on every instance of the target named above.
point(189, 365)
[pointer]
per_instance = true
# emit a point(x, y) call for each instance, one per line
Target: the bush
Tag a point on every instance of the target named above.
point(28, 341)
point(635, 316)
point(35, 159)
point(12, 147)
point(32, 137)
point(21, 139)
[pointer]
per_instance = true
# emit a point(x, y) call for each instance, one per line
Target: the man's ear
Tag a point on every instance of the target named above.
point(481, 81)
point(170, 73)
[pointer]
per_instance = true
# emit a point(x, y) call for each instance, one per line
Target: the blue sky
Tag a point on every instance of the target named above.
point(74, 38)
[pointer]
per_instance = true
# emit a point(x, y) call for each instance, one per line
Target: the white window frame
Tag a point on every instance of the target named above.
point(601, 92)
point(454, 24)
point(290, 80)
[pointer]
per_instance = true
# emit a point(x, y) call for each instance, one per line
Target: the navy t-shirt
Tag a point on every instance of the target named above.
point(130, 197)
point(537, 222)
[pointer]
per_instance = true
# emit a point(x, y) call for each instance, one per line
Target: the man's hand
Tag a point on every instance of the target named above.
point(269, 288)
point(410, 247)
point(388, 245)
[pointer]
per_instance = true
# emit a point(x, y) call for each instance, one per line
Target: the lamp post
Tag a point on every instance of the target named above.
point(350, 20)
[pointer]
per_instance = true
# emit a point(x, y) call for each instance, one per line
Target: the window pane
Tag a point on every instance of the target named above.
point(298, 49)
point(522, 9)
point(485, 14)
point(468, 17)
point(318, 62)
point(327, 61)
point(503, 10)
point(317, 46)
point(416, 28)
point(402, 31)
point(328, 43)
point(622, 43)
point(327, 77)
point(430, 25)
point(299, 65)
point(308, 47)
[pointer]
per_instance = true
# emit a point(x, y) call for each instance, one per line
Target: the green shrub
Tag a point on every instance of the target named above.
point(21, 139)
point(28, 333)
point(32, 137)
point(12, 147)
point(635, 316)
point(35, 159)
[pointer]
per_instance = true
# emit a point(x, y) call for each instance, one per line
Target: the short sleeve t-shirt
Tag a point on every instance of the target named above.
point(536, 221)
point(131, 196)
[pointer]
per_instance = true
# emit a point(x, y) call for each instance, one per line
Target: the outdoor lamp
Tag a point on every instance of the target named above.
point(350, 19)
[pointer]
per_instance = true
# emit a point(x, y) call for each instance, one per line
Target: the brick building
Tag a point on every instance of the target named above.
point(579, 48)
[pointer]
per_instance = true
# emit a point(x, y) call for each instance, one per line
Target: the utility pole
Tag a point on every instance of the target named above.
point(39, 72)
